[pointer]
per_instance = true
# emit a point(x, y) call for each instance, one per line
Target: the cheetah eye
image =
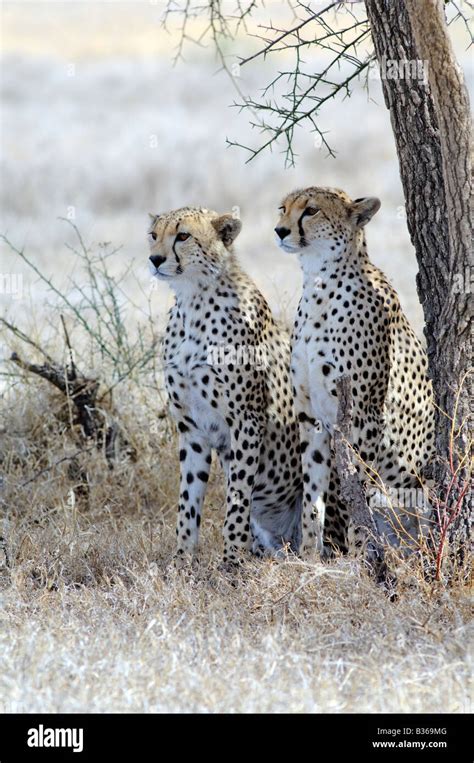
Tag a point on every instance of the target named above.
point(310, 211)
point(281, 209)
point(182, 236)
point(153, 235)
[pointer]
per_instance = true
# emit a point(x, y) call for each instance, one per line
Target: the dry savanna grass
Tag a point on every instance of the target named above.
point(95, 617)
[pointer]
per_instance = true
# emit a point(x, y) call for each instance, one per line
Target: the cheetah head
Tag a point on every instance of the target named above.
point(190, 245)
point(321, 221)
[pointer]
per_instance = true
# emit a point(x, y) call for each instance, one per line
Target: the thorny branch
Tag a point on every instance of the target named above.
point(337, 37)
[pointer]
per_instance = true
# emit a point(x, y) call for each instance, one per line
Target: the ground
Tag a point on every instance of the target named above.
point(140, 637)
point(94, 617)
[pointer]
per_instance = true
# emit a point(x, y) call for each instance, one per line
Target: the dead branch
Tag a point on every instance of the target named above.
point(81, 390)
point(83, 393)
point(68, 343)
point(352, 489)
point(3, 546)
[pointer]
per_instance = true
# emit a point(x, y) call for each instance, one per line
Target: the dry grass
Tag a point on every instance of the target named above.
point(94, 617)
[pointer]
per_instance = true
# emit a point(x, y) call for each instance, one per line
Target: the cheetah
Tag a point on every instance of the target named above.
point(349, 322)
point(227, 375)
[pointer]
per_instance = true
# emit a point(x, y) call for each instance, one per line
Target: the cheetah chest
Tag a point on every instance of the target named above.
point(190, 381)
point(314, 373)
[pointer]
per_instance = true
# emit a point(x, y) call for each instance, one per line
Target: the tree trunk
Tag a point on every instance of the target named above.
point(431, 124)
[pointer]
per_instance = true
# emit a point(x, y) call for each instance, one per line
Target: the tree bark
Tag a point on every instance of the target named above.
point(431, 125)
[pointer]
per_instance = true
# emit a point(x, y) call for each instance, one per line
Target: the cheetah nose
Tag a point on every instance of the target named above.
point(282, 232)
point(157, 260)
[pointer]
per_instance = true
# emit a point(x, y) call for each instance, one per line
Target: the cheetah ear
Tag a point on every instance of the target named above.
point(227, 228)
point(363, 210)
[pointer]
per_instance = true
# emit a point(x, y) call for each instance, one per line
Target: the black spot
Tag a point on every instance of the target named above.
point(317, 457)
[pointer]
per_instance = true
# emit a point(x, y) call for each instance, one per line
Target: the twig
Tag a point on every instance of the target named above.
point(68, 343)
point(263, 51)
point(56, 463)
point(21, 335)
point(64, 299)
point(3, 546)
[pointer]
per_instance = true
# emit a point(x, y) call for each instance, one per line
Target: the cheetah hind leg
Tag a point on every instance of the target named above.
point(284, 534)
point(264, 544)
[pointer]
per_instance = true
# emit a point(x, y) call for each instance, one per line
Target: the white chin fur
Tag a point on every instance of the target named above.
point(287, 247)
point(164, 276)
point(158, 274)
point(152, 269)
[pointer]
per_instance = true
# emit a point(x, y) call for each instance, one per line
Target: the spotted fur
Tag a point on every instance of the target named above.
point(350, 322)
point(228, 380)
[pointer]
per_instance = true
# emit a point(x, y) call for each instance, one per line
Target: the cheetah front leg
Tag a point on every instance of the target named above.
point(195, 463)
point(315, 448)
point(245, 450)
